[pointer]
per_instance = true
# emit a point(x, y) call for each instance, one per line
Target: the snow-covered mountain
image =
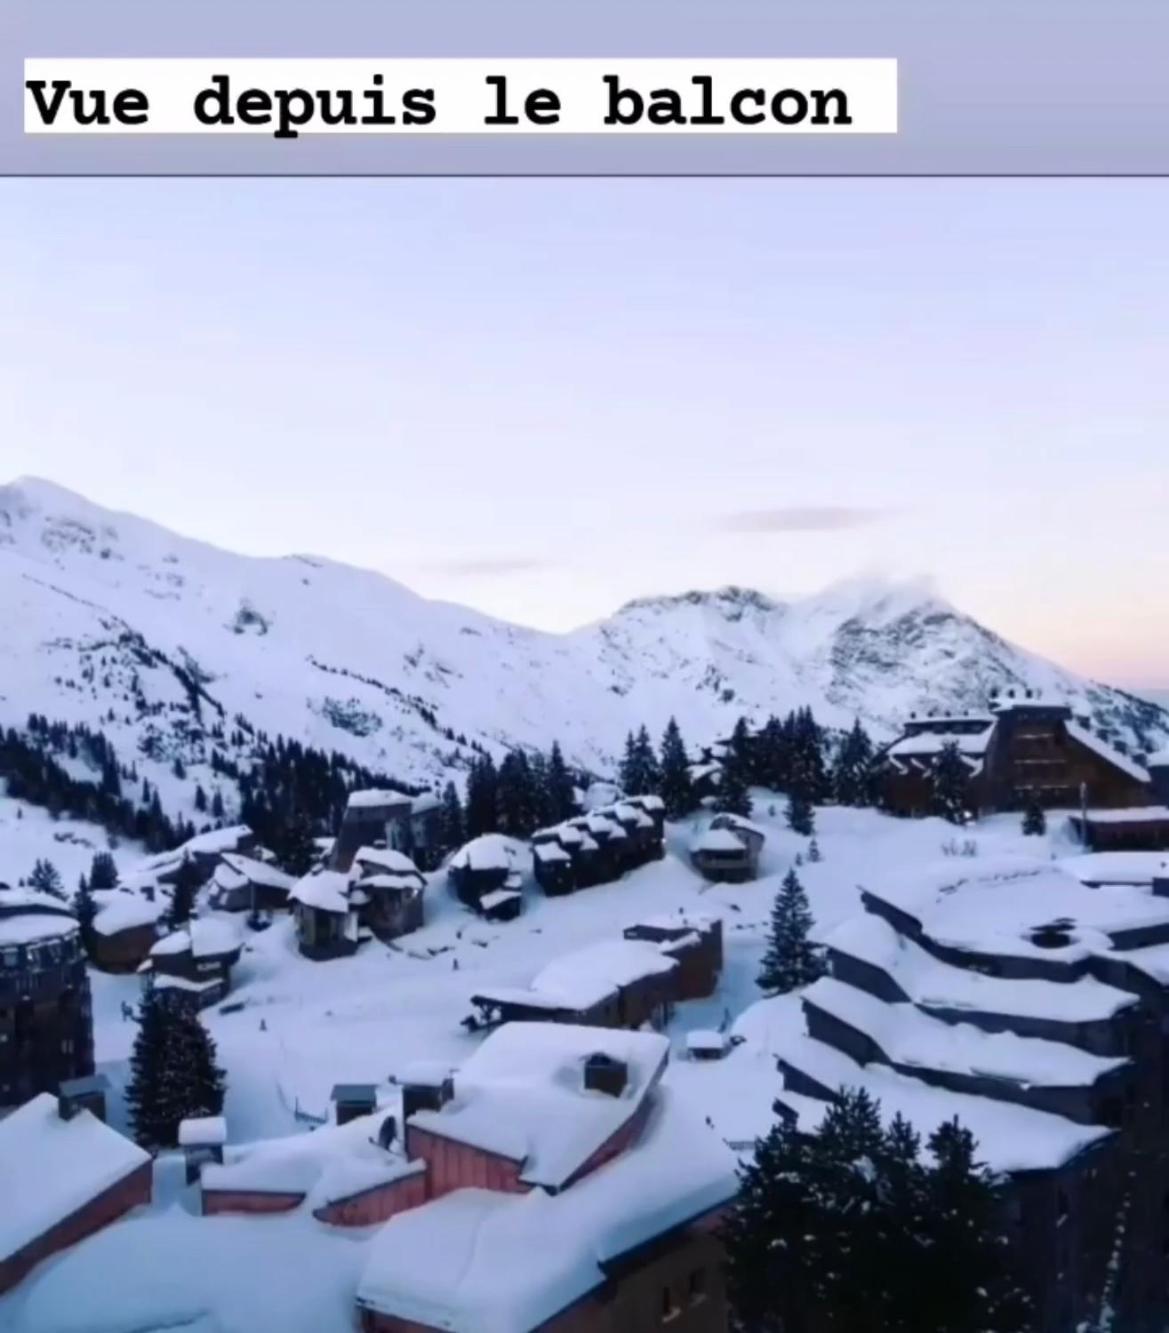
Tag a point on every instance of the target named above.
point(114, 621)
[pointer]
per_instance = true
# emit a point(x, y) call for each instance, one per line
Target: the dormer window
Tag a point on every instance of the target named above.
point(602, 1073)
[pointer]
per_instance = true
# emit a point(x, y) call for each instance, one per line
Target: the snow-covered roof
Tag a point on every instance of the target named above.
point(627, 812)
point(1116, 867)
point(27, 917)
point(1009, 1137)
point(50, 1167)
point(491, 851)
point(681, 920)
point(257, 872)
point(718, 840)
point(464, 1262)
point(588, 976)
point(1159, 758)
point(424, 804)
point(386, 858)
point(412, 883)
point(1107, 752)
point(1132, 814)
point(605, 826)
point(497, 897)
point(994, 905)
point(120, 909)
point(935, 985)
point(907, 1036)
point(425, 1073)
point(647, 802)
point(549, 851)
point(203, 1131)
point(706, 1040)
point(521, 1095)
point(214, 841)
point(333, 1162)
point(325, 890)
point(928, 744)
point(202, 937)
point(372, 797)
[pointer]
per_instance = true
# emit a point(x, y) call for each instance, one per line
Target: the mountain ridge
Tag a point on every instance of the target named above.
point(107, 612)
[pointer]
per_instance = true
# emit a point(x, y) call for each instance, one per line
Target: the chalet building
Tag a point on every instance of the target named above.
point(249, 884)
point(485, 875)
point(408, 824)
point(192, 965)
point(728, 849)
point(1033, 1008)
point(327, 906)
point(63, 1175)
point(614, 983)
point(46, 1019)
point(558, 1142)
point(203, 851)
point(694, 941)
point(124, 930)
point(394, 888)
point(1022, 751)
point(600, 846)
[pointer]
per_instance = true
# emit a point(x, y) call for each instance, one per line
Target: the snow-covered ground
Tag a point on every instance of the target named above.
point(302, 1026)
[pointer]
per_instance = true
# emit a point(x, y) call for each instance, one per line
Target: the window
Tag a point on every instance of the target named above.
point(696, 1286)
point(670, 1307)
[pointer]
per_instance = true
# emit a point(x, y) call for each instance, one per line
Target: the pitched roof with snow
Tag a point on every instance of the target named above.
point(324, 890)
point(257, 872)
point(386, 858)
point(491, 851)
point(202, 937)
point(50, 1167)
point(26, 917)
point(588, 976)
point(121, 909)
point(464, 1262)
point(1107, 752)
point(521, 1095)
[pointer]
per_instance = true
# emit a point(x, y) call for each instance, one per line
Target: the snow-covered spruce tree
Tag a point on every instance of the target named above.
point(46, 878)
point(800, 815)
point(293, 847)
point(951, 783)
point(560, 799)
point(850, 770)
point(814, 853)
point(149, 1090)
point(854, 1229)
point(676, 788)
point(183, 890)
point(482, 810)
point(85, 909)
point(732, 797)
point(790, 961)
point(1034, 820)
point(203, 1083)
point(516, 795)
point(649, 773)
point(103, 871)
point(452, 830)
point(743, 750)
point(970, 1283)
point(173, 1073)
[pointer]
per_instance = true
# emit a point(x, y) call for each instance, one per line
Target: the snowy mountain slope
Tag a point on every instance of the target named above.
point(110, 614)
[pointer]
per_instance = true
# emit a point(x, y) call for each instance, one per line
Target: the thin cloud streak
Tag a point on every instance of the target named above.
point(487, 567)
point(801, 518)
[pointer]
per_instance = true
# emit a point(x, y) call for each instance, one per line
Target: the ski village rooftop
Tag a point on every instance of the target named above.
point(511, 1092)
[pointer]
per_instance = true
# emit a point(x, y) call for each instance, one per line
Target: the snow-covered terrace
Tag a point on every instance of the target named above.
point(934, 984)
point(1009, 1137)
point(588, 976)
point(995, 906)
point(907, 1036)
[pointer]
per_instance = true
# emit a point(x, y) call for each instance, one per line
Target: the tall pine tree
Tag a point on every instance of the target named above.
point(46, 878)
point(452, 830)
point(790, 961)
point(182, 899)
point(951, 784)
point(850, 771)
point(676, 788)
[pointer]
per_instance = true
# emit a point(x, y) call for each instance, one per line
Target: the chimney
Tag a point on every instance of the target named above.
point(351, 1100)
point(604, 1074)
point(82, 1094)
point(425, 1088)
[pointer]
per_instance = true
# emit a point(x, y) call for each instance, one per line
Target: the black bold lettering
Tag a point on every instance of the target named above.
point(618, 97)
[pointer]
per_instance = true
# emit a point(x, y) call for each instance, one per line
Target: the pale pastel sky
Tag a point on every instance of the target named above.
point(543, 398)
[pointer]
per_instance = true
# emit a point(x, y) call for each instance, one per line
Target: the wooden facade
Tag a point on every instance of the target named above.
point(1024, 752)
